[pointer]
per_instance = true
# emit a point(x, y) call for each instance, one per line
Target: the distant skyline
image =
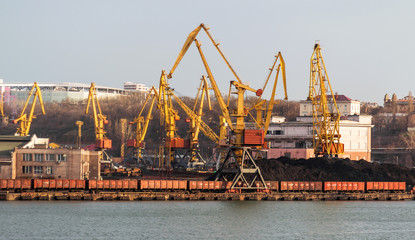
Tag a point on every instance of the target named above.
point(368, 46)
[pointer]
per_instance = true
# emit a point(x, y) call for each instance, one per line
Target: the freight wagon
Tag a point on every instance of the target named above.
point(19, 185)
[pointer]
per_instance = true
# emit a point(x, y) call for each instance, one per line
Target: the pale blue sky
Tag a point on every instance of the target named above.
point(368, 46)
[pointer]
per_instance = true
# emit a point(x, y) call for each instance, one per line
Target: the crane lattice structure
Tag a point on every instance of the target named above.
point(24, 119)
point(326, 116)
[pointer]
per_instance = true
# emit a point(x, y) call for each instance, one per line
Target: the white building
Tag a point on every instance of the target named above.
point(56, 92)
point(345, 105)
point(295, 139)
point(130, 86)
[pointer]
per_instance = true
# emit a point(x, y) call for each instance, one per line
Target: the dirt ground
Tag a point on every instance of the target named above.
point(325, 169)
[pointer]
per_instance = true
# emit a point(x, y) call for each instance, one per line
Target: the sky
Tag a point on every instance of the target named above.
point(368, 46)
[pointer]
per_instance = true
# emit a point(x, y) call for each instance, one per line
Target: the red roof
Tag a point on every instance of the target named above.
point(342, 98)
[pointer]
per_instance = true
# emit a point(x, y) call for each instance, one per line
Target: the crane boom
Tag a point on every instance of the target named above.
point(192, 37)
point(26, 122)
point(326, 140)
point(204, 128)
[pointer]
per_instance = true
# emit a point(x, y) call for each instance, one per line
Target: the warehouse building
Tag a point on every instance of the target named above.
point(295, 139)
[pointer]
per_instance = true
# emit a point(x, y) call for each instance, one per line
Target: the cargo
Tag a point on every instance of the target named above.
point(45, 183)
point(52, 184)
point(284, 186)
point(361, 186)
point(369, 186)
point(306, 186)
point(37, 184)
point(143, 184)
point(92, 184)
point(211, 185)
point(59, 184)
point(106, 184)
point(182, 184)
point(205, 185)
point(176, 184)
point(72, 184)
point(157, 184)
point(301, 186)
point(80, 184)
point(150, 184)
point(199, 185)
point(169, 184)
point(344, 186)
point(3, 183)
point(10, 184)
point(290, 186)
point(18, 184)
point(125, 184)
point(218, 185)
point(402, 186)
point(133, 184)
point(65, 184)
point(163, 184)
point(118, 184)
point(318, 186)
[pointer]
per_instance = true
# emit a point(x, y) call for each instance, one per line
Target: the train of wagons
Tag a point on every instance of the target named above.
point(22, 185)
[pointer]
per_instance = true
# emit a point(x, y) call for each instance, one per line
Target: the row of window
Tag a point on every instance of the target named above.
point(40, 157)
point(37, 170)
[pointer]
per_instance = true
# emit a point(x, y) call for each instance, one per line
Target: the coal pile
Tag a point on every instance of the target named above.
point(327, 169)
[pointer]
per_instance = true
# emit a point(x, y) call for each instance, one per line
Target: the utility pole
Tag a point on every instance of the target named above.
point(123, 122)
point(78, 137)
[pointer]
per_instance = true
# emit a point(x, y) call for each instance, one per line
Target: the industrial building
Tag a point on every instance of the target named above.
point(30, 157)
point(295, 139)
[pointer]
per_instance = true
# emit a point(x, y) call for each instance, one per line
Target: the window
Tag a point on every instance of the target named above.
point(27, 169)
point(62, 157)
point(38, 170)
point(48, 170)
point(50, 157)
point(27, 157)
point(38, 157)
point(345, 107)
point(278, 132)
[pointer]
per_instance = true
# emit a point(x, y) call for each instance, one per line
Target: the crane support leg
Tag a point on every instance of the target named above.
point(240, 168)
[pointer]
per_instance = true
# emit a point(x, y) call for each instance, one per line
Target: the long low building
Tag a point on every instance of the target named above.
point(57, 92)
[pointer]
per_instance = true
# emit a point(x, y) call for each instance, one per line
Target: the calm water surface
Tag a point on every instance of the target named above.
point(207, 220)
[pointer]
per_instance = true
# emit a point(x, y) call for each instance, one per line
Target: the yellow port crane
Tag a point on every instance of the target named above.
point(142, 124)
point(241, 140)
point(197, 125)
point(326, 116)
point(24, 120)
point(168, 118)
point(100, 120)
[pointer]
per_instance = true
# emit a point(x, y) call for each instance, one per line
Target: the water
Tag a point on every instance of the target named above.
point(207, 220)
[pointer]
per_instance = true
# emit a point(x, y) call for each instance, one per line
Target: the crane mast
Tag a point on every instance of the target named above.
point(24, 120)
point(326, 116)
